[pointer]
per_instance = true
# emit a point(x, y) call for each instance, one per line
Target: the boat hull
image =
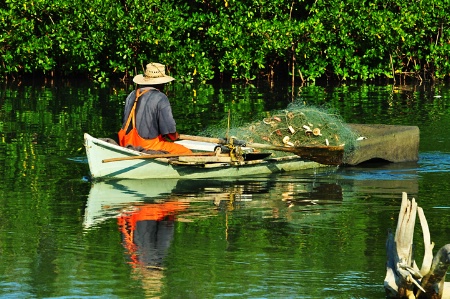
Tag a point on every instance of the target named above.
point(98, 150)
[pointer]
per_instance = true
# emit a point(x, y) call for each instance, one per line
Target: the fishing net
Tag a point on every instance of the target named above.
point(297, 125)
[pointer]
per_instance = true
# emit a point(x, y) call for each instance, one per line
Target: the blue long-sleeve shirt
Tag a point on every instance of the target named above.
point(153, 113)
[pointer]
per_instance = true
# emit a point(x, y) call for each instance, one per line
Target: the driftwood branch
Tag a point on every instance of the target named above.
point(428, 255)
point(403, 277)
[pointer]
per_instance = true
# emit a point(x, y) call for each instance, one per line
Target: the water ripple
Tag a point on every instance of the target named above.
point(434, 162)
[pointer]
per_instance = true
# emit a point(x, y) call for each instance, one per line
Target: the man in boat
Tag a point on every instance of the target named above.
point(148, 121)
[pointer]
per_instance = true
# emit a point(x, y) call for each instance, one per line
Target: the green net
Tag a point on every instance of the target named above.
point(297, 125)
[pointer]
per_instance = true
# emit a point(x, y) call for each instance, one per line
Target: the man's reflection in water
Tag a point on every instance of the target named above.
point(147, 233)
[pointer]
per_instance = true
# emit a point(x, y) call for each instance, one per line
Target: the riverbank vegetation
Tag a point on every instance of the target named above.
point(227, 39)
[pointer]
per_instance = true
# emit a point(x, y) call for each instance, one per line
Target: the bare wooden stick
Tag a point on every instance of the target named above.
point(392, 66)
point(405, 228)
point(156, 156)
point(428, 254)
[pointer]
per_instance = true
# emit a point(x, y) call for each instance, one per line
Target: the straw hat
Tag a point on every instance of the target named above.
point(155, 74)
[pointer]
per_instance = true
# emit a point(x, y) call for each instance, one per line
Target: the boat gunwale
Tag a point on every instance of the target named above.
point(131, 152)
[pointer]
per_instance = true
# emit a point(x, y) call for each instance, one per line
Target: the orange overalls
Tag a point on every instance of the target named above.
point(157, 144)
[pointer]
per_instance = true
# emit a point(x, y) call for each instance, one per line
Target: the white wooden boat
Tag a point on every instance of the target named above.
point(110, 161)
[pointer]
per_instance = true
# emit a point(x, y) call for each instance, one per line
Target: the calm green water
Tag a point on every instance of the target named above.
point(313, 234)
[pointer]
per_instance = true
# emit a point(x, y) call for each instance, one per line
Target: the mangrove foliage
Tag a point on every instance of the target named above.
point(227, 39)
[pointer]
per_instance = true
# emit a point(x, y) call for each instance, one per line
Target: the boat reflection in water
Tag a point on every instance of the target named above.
point(145, 217)
point(109, 199)
point(146, 211)
point(116, 198)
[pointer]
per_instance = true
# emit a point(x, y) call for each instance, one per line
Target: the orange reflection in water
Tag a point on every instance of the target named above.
point(147, 232)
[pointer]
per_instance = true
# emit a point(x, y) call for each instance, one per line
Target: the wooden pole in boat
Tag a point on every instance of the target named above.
point(327, 155)
point(147, 156)
point(228, 126)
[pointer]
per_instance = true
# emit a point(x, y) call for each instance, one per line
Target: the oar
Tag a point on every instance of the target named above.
point(156, 156)
point(327, 155)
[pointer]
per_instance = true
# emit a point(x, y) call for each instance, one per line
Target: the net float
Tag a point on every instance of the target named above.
point(316, 132)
